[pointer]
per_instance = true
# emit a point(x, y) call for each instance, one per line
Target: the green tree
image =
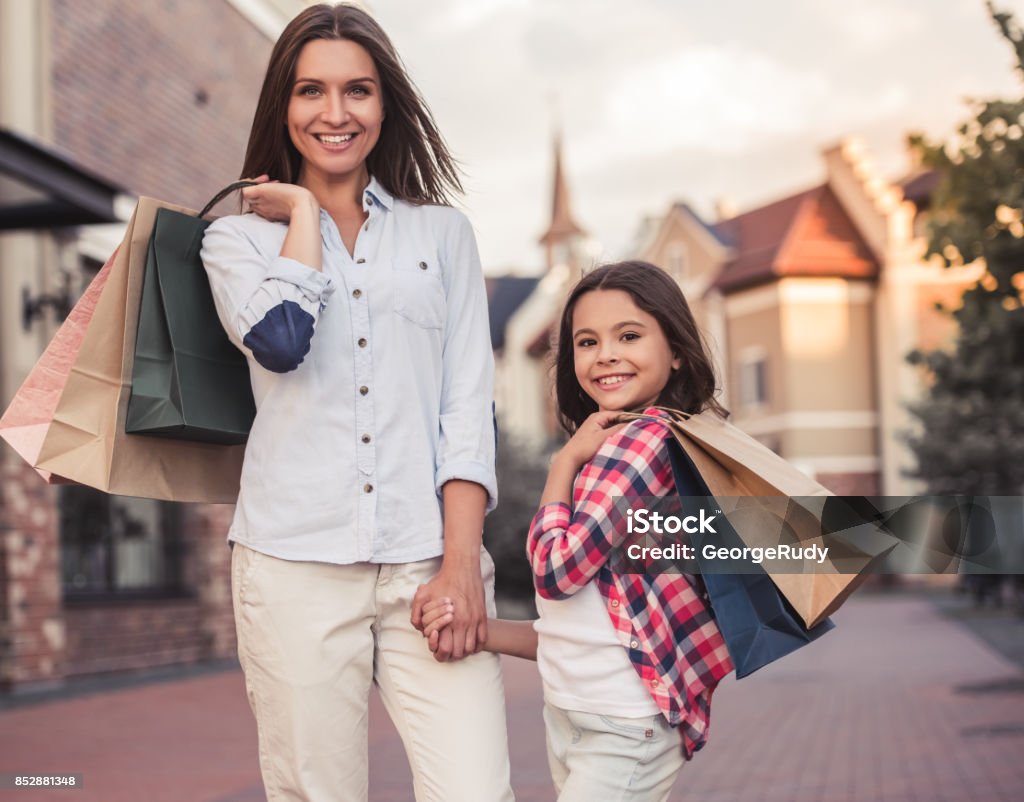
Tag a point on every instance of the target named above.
point(971, 438)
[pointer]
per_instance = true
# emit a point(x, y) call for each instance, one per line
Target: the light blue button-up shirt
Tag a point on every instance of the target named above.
point(354, 437)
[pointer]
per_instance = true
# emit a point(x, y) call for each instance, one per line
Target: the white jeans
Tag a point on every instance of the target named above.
point(611, 758)
point(312, 637)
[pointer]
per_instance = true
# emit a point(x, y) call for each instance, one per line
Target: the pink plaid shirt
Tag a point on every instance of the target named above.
point(661, 619)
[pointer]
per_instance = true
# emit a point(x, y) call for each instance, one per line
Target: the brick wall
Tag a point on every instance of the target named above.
point(156, 95)
point(135, 635)
point(211, 561)
point(132, 635)
point(32, 633)
point(42, 641)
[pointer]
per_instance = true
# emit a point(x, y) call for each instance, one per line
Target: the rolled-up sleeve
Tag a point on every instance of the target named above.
point(268, 304)
point(467, 440)
point(567, 546)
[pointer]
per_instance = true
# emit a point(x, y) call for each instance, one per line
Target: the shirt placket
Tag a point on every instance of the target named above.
point(364, 253)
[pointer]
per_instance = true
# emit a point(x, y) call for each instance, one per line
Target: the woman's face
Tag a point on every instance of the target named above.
point(335, 108)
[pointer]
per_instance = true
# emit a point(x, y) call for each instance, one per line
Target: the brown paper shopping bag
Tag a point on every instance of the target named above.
point(86, 441)
point(28, 417)
point(763, 497)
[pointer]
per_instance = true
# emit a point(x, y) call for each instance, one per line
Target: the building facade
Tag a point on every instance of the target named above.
point(811, 304)
point(155, 99)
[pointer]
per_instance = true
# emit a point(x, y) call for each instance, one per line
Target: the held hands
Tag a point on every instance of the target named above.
point(588, 439)
point(435, 616)
point(277, 202)
point(461, 630)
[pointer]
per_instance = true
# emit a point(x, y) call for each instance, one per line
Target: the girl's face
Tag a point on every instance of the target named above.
point(622, 358)
point(335, 109)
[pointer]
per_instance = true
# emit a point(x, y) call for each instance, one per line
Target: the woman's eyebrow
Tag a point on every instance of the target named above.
point(365, 80)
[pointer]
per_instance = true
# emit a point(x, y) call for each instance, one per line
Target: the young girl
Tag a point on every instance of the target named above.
point(356, 294)
point(628, 661)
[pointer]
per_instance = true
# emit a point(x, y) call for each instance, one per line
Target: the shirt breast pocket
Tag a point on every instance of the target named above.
point(419, 295)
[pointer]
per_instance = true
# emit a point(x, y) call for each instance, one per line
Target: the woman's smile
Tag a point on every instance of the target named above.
point(335, 143)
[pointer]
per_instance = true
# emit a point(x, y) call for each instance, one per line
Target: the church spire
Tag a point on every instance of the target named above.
point(563, 228)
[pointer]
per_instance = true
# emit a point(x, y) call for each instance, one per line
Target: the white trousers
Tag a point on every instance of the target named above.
point(312, 637)
point(611, 758)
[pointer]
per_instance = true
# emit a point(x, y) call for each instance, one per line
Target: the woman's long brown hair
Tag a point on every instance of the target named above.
point(410, 160)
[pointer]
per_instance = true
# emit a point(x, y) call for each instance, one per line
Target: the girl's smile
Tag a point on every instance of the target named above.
point(620, 354)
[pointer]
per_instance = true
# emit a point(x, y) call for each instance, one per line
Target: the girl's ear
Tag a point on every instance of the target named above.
point(677, 362)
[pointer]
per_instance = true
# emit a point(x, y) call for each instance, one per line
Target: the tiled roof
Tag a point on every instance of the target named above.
point(807, 234)
point(505, 294)
point(713, 229)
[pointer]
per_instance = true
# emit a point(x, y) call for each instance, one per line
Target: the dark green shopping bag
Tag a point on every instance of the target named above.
point(189, 382)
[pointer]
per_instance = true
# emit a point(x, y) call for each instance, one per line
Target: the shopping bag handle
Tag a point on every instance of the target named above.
point(223, 194)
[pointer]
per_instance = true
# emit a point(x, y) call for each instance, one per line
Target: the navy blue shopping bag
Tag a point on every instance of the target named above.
point(758, 624)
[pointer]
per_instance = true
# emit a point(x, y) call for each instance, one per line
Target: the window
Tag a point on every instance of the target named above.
point(116, 546)
point(678, 258)
point(753, 380)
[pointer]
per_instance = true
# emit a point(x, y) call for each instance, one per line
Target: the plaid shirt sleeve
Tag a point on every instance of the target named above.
point(568, 546)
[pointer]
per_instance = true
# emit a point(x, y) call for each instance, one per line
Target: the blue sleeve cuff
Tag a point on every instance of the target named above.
point(280, 341)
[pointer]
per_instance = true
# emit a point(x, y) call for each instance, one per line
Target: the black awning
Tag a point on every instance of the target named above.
point(41, 188)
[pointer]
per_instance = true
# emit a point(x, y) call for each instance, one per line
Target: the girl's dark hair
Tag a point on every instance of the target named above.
point(410, 160)
point(691, 388)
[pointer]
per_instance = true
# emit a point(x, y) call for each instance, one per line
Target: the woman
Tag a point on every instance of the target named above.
point(356, 294)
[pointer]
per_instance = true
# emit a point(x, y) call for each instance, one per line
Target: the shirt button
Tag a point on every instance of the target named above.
point(369, 200)
point(633, 644)
point(655, 683)
point(357, 293)
point(365, 438)
point(364, 390)
point(360, 261)
point(423, 265)
point(362, 342)
point(367, 488)
point(615, 602)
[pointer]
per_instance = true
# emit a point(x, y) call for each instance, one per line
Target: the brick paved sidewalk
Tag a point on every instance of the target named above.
point(899, 703)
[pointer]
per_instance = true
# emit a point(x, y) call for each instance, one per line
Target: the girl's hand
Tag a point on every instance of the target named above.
point(431, 616)
point(589, 438)
point(277, 202)
point(436, 615)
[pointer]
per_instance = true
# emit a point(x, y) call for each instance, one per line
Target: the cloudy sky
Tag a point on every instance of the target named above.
point(663, 100)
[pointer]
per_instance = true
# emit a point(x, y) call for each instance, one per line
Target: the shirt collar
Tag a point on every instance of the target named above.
point(378, 193)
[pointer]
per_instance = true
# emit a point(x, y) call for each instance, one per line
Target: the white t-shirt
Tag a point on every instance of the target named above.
point(582, 663)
